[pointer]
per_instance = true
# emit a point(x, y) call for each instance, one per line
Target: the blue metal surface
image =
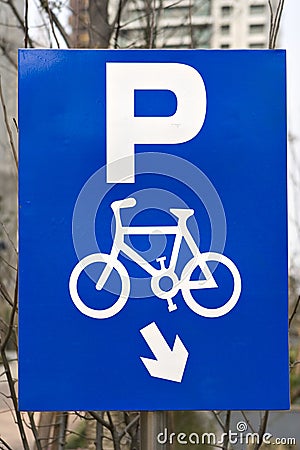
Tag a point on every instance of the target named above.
point(232, 173)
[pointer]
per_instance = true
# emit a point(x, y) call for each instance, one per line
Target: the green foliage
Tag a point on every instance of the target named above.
point(78, 438)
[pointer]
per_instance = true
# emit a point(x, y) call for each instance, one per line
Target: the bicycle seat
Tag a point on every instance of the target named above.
point(125, 203)
point(182, 213)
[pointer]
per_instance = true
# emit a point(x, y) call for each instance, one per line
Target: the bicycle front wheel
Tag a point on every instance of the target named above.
point(189, 285)
point(79, 269)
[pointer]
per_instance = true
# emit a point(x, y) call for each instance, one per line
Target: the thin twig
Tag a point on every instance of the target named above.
point(11, 385)
point(248, 422)
point(130, 425)
point(111, 424)
point(26, 24)
point(271, 23)
point(8, 236)
point(34, 431)
point(16, 124)
point(54, 20)
point(5, 295)
point(215, 414)
point(114, 433)
point(12, 318)
point(100, 420)
point(294, 311)
point(9, 25)
point(227, 428)
point(50, 15)
point(7, 55)
point(118, 24)
point(8, 127)
point(11, 4)
point(84, 417)
point(275, 23)
point(262, 430)
point(191, 24)
point(99, 436)
point(153, 23)
point(295, 363)
point(5, 444)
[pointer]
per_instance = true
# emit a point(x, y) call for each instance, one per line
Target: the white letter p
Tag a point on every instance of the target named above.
point(124, 130)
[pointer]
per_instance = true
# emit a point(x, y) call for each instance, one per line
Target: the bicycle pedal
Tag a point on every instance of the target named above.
point(172, 307)
point(161, 261)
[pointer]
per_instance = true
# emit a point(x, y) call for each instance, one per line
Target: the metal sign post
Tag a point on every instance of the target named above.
point(152, 423)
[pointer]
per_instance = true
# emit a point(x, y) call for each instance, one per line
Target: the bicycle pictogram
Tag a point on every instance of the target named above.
point(185, 282)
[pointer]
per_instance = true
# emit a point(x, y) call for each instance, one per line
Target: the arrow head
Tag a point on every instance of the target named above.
point(169, 363)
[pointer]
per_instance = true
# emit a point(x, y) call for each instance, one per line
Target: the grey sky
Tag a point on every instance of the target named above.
point(290, 39)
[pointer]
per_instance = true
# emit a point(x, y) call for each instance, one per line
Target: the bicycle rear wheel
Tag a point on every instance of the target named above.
point(209, 282)
point(121, 300)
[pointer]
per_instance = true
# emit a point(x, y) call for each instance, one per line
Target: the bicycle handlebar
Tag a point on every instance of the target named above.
point(121, 204)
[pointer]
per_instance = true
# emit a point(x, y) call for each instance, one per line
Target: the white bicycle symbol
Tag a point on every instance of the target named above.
point(185, 283)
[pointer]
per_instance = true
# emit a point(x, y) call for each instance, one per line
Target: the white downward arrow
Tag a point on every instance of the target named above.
point(169, 364)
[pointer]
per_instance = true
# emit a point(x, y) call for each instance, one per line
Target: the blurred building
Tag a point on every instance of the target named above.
point(79, 23)
point(11, 38)
point(196, 24)
point(240, 24)
point(9, 43)
point(173, 23)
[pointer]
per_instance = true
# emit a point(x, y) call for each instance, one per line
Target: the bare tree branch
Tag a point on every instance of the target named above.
point(247, 421)
point(50, 15)
point(8, 237)
point(7, 263)
point(8, 129)
point(55, 21)
point(5, 295)
point(118, 23)
point(130, 425)
point(7, 55)
point(12, 319)
point(294, 311)
point(9, 377)
point(191, 24)
point(271, 22)
point(5, 444)
point(227, 428)
point(99, 419)
point(34, 431)
point(216, 416)
point(12, 6)
point(262, 430)
point(26, 30)
point(275, 23)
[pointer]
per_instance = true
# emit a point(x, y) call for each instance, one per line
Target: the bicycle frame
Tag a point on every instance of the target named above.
point(139, 231)
point(119, 246)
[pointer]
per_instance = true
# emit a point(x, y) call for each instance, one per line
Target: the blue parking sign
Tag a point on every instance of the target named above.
point(153, 230)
